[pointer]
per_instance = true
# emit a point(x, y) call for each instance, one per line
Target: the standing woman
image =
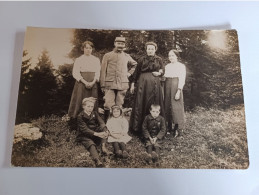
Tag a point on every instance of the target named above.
point(86, 72)
point(175, 73)
point(148, 86)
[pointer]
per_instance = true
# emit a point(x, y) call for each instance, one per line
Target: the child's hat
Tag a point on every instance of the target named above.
point(89, 99)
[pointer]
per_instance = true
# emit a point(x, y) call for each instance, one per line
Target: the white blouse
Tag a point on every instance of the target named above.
point(174, 70)
point(86, 64)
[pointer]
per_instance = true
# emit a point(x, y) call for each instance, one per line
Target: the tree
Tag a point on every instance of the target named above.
point(65, 87)
point(22, 105)
point(42, 88)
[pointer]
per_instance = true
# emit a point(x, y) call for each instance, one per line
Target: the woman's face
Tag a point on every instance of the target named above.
point(151, 50)
point(88, 50)
point(172, 57)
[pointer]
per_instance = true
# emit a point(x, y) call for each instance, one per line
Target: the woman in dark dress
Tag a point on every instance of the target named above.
point(86, 72)
point(149, 91)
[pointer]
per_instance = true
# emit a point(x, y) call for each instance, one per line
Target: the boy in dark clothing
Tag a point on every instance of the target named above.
point(92, 130)
point(154, 129)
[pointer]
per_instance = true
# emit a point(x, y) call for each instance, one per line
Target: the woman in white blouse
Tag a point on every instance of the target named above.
point(175, 73)
point(86, 72)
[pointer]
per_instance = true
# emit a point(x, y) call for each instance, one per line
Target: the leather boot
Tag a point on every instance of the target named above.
point(105, 151)
point(98, 163)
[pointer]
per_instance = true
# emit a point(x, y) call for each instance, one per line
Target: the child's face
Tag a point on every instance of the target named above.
point(155, 112)
point(116, 113)
point(172, 57)
point(88, 107)
point(151, 50)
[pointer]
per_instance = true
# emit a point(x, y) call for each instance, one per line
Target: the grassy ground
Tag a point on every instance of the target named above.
point(213, 139)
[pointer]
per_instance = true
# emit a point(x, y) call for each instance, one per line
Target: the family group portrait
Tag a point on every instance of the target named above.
point(130, 99)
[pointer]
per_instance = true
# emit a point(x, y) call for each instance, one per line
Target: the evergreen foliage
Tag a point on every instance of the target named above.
point(213, 74)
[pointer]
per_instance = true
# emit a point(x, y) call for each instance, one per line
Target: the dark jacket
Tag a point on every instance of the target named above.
point(154, 127)
point(88, 125)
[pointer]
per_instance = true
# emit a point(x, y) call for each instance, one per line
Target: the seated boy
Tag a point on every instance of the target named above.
point(91, 130)
point(154, 129)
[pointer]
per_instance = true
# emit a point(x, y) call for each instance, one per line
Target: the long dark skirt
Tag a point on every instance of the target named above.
point(148, 91)
point(174, 109)
point(80, 92)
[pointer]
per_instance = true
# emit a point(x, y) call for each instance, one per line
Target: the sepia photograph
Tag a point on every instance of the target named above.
point(130, 99)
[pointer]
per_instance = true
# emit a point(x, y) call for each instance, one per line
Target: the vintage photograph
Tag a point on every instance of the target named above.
point(130, 99)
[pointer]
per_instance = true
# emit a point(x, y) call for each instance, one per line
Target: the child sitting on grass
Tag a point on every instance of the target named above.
point(92, 130)
point(118, 127)
point(154, 129)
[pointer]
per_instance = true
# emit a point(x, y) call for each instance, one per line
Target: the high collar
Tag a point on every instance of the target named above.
point(120, 117)
point(87, 55)
point(174, 63)
point(152, 118)
point(116, 51)
point(88, 116)
point(151, 58)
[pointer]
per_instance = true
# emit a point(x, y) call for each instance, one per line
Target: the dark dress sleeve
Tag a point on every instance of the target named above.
point(137, 72)
point(161, 65)
point(132, 64)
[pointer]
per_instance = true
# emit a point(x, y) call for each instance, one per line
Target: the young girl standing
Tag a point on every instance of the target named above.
point(175, 73)
point(118, 127)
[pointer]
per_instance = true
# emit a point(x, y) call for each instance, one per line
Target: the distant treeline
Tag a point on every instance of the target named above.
point(213, 74)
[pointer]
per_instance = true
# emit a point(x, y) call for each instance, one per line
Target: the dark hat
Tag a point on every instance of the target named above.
point(120, 39)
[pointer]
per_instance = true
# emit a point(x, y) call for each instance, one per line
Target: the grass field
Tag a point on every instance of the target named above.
point(213, 139)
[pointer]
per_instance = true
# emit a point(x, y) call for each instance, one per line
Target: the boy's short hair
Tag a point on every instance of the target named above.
point(155, 106)
point(89, 99)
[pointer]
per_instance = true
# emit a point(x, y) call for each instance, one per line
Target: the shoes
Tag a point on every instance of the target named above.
point(154, 156)
point(98, 163)
point(105, 151)
point(148, 157)
point(118, 154)
point(176, 133)
point(125, 154)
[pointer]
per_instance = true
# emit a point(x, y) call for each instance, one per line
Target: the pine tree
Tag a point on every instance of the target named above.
point(22, 105)
point(42, 88)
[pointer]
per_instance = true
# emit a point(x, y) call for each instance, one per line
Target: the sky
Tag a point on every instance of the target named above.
point(56, 41)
